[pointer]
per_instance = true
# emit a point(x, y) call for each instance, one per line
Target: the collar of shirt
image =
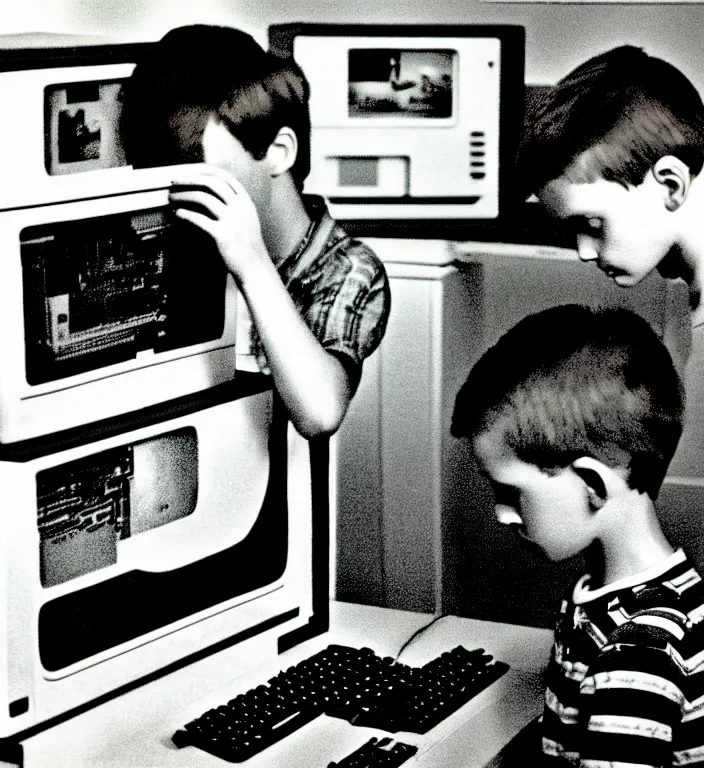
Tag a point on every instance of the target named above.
point(582, 594)
point(317, 210)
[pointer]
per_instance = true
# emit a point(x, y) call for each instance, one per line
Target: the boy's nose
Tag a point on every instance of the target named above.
point(507, 515)
point(586, 248)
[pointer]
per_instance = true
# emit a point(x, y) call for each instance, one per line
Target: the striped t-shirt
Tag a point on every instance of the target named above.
point(625, 685)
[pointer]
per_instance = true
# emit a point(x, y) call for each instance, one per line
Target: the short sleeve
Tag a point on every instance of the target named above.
point(348, 305)
point(343, 295)
point(631, 700)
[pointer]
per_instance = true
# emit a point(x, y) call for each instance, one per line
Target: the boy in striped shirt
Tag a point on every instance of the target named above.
point(574, 416)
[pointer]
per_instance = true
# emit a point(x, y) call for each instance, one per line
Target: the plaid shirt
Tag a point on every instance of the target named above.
point(339, 286)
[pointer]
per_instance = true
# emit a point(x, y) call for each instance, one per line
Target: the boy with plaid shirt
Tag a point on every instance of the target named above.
point(319, 300)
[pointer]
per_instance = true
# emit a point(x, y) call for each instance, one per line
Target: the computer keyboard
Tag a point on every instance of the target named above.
point(377, 753)
point(344, 682)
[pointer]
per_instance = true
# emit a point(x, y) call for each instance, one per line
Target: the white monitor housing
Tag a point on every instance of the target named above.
point(409, 121)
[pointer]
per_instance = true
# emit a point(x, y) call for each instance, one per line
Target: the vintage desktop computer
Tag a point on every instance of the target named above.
point(414, 132)
point(410, 122)
point(156, 504)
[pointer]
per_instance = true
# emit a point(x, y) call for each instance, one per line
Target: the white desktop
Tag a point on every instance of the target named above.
point(128, 541)
point(134, 730)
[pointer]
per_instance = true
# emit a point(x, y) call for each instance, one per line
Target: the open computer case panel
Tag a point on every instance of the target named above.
point(109, 304)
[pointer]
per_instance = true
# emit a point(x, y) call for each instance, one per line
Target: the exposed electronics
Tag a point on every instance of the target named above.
point(410, 121)
point(108, 303)
point(124, 555)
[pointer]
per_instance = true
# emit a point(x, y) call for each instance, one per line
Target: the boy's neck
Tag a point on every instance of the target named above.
point(687, 259)
point(285, 223)
point(631, 542)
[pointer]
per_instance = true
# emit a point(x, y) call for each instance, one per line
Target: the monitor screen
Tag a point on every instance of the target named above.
point(402, 83)
point(86, 506)
point(81, 131)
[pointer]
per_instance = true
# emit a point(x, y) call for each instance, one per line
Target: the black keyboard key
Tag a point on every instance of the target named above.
point(417, 699)
point(236, 740)
point(377, 753)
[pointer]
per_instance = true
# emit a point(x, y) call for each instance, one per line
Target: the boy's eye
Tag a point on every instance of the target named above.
point(595, 224)
point(587, 225)
point(505, 495)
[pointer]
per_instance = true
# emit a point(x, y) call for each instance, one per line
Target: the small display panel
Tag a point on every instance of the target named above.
point(402, 83)
point(86, 506)
point(82, 127)
point(99, 291)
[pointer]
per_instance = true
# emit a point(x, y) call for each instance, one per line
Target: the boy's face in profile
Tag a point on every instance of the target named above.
point(222, 150)
point(552, 508)
point(625, 231)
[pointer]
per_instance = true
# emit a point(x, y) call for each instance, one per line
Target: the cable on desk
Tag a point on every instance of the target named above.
point(418, 632)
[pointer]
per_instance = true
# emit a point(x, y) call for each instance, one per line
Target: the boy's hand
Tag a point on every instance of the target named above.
point(215, 202)
point(312, 383)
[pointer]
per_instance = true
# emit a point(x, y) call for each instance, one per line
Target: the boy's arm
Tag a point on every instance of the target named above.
point(632, 701)
point(313, 383)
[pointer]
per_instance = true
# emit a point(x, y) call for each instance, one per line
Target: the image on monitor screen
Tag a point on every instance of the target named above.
point(400, 83)
point(85, 507)
point(82, 127)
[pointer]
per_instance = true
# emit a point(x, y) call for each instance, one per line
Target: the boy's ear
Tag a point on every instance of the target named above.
point(281, 154)
point(676, 179)
point(596, 478)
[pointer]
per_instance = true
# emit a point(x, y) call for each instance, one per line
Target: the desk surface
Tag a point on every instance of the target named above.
point(134, 730)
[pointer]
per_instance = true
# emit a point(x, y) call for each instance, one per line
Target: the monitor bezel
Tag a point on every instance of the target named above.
point(281, 41)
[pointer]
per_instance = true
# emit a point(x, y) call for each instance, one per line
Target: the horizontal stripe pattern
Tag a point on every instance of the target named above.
point(625, 685)
point(668, 624)
point(635, 681)
point(566, 714)
point(689, 756)
point(633, 726)
point(611, 764)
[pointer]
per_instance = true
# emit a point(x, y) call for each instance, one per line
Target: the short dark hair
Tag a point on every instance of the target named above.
point(198, 71)
point(625, 109)
point(575, 381)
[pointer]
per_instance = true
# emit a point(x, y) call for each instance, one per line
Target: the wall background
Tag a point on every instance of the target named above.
point(559, 36)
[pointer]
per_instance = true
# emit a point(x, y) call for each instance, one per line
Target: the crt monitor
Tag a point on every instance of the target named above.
point(66, 104)
point(410, 121)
